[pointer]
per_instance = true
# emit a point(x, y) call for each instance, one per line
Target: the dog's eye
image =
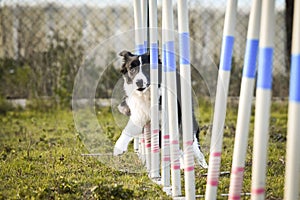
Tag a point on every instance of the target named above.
point(132, 70)
point(135, 63)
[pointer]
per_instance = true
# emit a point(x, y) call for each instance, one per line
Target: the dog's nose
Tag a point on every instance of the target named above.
point(139, 83)
point(148, 84)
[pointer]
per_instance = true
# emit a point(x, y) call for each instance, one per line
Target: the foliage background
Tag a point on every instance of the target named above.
point(43, 44)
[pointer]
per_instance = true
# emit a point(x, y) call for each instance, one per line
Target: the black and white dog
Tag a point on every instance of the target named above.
point(136, 103)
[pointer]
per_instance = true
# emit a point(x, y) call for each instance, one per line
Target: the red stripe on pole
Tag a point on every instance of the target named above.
point(190, 142)
point(174, 142)
point(167, 158)
point(238, 170)
point(166, 137)
point(258, 191)
point(212, 182)
point(148, 145)
point(176, 167)
point(188, 169)
point(155, 131)
point(155, 150)
point(234, 197)
point(216, 154)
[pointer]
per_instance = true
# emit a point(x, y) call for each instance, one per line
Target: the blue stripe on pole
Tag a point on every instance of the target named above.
point(264, 74)
point(295, 78)
point(226, 53)
point(139, 49)
point(154, 56)
point(250, 58)
point(184, 46)
point(170, 54)
point(145, 46)
point(164, 58)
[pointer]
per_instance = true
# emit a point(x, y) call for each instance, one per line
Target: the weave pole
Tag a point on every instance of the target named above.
point(144, 7)
point(221, 101)
point(155, 165)
point(165, 137)
point(172, 97)
point(292, 171)
point(263, 100)
point(140, 18)
point(186, 99)
point(138, 26)
point(245, 102)
point(139, 46)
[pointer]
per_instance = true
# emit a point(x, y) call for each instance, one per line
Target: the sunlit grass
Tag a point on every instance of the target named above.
point(40, 157)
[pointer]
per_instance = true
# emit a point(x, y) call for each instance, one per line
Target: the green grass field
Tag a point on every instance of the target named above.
point(40, 158)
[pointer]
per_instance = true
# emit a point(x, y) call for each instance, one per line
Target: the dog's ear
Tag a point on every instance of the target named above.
point(126, 54)
point(123, 69)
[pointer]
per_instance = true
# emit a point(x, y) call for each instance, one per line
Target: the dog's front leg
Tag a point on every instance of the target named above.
point(131, 130)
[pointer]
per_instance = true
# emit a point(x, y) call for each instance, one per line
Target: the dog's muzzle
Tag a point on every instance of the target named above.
point(141, 85)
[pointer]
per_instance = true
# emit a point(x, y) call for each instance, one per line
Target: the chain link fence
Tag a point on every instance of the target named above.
point(43, 43)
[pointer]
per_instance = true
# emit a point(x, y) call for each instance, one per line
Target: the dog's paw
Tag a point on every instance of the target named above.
point(118, 151)
point(122, 144)
point(125, 110)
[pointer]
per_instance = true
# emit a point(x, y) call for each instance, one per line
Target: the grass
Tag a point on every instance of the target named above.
point(40, 158)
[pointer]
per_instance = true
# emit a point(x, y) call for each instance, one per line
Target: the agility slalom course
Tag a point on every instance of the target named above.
point(261, 27)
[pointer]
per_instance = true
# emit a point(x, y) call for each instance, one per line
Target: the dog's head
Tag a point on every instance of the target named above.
point(136, 70)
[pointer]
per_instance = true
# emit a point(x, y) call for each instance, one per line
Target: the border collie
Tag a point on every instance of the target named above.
point(136, 102)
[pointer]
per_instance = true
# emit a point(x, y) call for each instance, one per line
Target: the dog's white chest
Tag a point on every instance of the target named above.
point(139, 104)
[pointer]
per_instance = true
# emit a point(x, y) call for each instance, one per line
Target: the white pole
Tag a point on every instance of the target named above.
point(165, 137)
point(139, 46)
point(186, 99)
point(142, 7)
point(292, 171)
point(147, 138)
point(221, 101)
point(139, 37)
point(155, 165)
point(144, 4)
point(172, 98)
point(263, 100)
point(246, 95)
point(142, 153)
